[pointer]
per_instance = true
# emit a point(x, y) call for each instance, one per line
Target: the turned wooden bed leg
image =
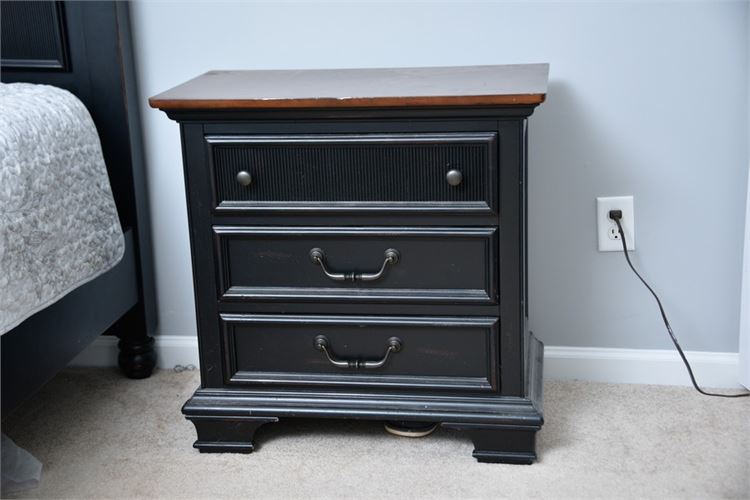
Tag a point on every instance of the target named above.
point(137, 358)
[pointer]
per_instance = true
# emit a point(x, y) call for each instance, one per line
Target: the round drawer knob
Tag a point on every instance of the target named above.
point(245, 178)
point(454, 177)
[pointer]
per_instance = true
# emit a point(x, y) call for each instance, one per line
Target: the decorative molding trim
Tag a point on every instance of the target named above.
point(744, 368)
point(595, 364)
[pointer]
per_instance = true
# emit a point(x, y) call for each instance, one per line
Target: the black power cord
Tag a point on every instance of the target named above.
point(616, 215)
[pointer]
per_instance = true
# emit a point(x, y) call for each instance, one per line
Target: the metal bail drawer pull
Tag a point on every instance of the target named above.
point(319, 258)
point(321, 343)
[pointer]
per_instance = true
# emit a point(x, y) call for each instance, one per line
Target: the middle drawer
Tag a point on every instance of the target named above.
point(363, 264)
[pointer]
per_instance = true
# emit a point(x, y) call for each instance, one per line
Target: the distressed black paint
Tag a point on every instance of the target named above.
point(468, 360)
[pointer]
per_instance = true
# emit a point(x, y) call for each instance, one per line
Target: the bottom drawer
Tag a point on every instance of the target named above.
point(393, 352)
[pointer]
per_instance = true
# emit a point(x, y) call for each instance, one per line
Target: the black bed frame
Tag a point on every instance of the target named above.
point(86, 48)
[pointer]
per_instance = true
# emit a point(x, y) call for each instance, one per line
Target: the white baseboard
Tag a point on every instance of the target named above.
point(641, 366)
point(629, 366)
point(171, 350)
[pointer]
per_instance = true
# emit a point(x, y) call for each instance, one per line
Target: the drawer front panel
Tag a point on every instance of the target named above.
point(355, 172)
point(433, 352)
point(360, 264)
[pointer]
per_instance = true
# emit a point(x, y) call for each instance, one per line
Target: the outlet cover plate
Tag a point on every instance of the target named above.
point(609, 239)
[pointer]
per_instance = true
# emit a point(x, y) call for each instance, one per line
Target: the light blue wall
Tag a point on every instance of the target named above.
point(645, 98)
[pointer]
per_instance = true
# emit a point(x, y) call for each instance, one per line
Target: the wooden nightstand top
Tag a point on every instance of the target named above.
point(506, 85)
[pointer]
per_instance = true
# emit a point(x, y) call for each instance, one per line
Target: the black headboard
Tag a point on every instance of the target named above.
point(86, 48)
point(44, 46)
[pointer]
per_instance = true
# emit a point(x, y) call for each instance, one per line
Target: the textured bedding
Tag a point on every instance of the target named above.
point(58, 222)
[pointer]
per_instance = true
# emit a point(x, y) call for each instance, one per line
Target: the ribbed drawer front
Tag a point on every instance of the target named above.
point(432, 352)
point(366, 264)
point(403, 172)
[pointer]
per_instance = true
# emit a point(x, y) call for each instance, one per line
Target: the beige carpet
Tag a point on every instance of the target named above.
point(103, 436)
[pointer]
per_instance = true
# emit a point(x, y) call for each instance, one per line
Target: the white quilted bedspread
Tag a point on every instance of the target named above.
point(58, 221)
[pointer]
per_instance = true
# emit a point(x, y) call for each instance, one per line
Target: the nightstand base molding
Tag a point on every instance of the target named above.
point(503, 428)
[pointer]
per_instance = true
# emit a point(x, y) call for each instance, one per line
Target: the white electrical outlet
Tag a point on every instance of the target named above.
point(608, 235)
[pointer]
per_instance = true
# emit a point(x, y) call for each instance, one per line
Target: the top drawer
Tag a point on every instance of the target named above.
point(404, 172)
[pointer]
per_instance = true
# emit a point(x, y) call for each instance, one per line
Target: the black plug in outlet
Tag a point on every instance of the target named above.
point(609, 211)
